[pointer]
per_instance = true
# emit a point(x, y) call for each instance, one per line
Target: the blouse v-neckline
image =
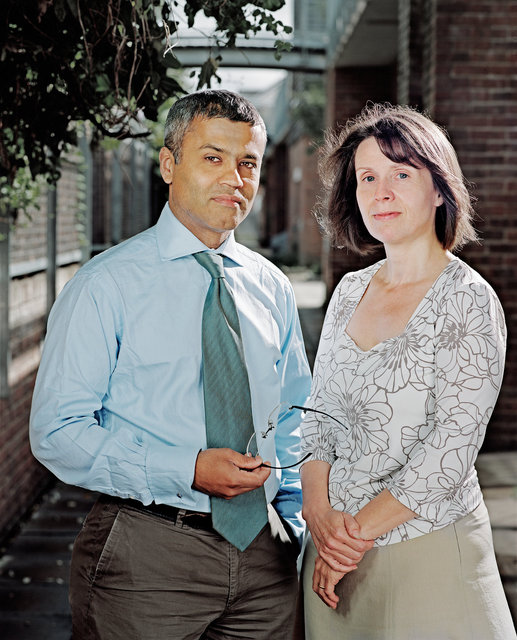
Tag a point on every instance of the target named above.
point(380, 344)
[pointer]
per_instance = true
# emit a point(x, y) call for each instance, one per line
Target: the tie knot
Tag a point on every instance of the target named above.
point(212, 262)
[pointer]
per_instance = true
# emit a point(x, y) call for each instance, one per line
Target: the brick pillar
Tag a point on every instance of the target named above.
point(274, 218)
point(476, 100)
point(303, 184)
point(349, 89)
point(415, 69)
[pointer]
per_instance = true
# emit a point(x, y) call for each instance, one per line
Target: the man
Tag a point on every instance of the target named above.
point(189, 539)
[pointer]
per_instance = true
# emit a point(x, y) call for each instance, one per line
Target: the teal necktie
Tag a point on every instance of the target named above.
point(228, 414)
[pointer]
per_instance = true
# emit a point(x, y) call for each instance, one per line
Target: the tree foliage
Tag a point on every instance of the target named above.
point(104, 62)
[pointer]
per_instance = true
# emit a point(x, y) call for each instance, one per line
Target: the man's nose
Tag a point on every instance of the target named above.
point(232, 177)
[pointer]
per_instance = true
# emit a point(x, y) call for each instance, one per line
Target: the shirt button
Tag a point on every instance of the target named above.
point(179, 495)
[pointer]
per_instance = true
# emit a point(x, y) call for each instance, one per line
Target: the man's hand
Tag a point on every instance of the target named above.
point(225, 473)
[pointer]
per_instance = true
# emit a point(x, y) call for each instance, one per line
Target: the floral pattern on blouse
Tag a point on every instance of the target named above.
point(415, 407)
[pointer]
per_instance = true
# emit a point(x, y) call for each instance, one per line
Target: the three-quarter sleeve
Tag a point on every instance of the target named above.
point(470, 341)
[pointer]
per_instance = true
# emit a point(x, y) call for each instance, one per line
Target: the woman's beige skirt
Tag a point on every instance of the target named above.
point(441, 586)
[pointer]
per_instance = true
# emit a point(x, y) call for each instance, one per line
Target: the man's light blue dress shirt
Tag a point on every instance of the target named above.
point(118, 404)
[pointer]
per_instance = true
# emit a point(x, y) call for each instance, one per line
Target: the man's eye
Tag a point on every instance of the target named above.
point(403, 175)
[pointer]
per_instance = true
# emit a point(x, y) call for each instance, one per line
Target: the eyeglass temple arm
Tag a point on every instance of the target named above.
point(295, 406)
point(295, 464)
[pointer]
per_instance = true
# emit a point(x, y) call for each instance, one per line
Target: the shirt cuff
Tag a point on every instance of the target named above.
point(170, 474)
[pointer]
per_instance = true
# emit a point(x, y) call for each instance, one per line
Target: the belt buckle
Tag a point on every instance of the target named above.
point(199, 520)
point(180, 517)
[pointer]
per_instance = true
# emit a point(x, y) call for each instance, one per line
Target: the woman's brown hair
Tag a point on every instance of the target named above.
point(404, 136)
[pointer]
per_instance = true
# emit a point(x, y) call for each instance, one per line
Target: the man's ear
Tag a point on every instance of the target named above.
point(166, 164)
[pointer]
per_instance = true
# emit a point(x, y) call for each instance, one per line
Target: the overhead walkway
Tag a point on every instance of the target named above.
point(307, 56)
point(326, 34)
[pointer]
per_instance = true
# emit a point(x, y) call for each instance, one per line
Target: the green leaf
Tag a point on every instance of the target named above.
point(103, 84)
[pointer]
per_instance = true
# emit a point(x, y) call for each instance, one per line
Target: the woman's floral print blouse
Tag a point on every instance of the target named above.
point(415, 407)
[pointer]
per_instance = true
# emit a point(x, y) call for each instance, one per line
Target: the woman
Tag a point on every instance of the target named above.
point(410, 364)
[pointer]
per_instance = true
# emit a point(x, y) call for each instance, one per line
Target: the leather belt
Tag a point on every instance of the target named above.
point(194, 519)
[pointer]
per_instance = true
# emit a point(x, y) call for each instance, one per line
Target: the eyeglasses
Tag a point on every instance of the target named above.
point(280, 412)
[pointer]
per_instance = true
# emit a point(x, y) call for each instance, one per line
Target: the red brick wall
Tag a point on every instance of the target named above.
point(476, 100)
point(22, 478)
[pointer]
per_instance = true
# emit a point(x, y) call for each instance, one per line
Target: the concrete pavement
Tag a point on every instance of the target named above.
point(34, 565)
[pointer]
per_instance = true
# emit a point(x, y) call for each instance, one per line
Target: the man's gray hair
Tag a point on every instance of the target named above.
point(211, 103)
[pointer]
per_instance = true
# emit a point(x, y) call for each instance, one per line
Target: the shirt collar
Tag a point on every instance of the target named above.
point(176, 241)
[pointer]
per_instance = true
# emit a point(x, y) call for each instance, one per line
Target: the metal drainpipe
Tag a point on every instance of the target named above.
point(87, 246)
point(5, 221)
point(51, 246)
point(116, 197)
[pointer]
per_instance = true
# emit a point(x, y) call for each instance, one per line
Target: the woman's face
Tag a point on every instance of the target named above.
point(397, 201)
